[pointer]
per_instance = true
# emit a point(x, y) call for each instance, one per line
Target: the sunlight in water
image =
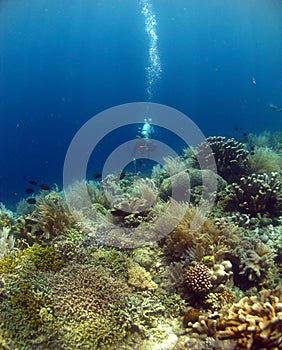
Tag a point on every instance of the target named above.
point(154, 68)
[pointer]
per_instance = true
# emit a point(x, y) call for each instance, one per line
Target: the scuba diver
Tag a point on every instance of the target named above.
point(144, 145)
point(147, 131)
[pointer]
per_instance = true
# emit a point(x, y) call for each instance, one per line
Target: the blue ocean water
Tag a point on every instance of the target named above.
point(62, 62)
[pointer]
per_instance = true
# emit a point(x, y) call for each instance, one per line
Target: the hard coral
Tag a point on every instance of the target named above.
point(230, 156)
point(258, 193)
point(41, 258)
point(254, 322)
point(91, 306)
point(198, 279)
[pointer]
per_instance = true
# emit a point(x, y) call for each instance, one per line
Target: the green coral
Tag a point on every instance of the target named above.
point(9, 263)
point(28, 305)
point(26, 275)
point(91, 307)
point(42, 258)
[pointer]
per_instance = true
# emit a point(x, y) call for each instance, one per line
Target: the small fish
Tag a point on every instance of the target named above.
point(236, 129)
point(45, 187)
point(29, 190)
point(97, 175)
point(272, 106)
point(32, 182)
point(31, 200)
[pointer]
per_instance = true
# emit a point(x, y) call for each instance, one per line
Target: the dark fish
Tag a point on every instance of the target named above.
point(32, 182)
point(29, 190)
point(236, 129)
point(97, 175)
point(38, 232)
point(45, 187)
point(31, 200)
point(122, 175)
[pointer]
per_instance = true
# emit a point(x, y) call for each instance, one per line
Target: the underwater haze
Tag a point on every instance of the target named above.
point(62, 62)
point(141, 174)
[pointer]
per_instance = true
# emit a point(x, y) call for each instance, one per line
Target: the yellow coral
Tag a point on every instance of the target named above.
point(43, 258)
point(138, 277)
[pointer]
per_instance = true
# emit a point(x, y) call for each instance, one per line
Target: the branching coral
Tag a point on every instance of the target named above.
point(254, 322)
point(36, 257)
point(24, 297)
point(258, 193)
point(91, 305)
point(230, 156)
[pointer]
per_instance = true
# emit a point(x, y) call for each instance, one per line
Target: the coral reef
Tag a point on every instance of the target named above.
point(230, 156)
point(198, 279)
point(41, 258)
point(25, 275)
point(7, 217)
point(257, 193)
point(7, 241)
point(264, 160)
point(140, 264)
point(139, 278)
point(52, 215)
point(91, 305)
point(49, 218)
point(197, 236)
point(254, 322)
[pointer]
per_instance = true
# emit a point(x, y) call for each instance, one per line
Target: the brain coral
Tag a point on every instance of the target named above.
point(89, 306)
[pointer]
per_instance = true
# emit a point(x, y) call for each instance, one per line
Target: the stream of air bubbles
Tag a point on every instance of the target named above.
point(154, 68)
